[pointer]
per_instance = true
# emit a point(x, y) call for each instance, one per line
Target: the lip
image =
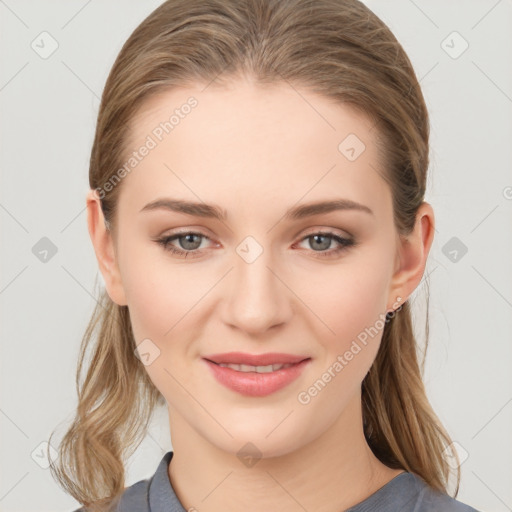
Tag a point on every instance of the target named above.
point(257, 384)
point(256, 359)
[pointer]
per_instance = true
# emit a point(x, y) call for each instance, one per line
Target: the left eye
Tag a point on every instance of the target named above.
point(190, 243)
point(323, 241)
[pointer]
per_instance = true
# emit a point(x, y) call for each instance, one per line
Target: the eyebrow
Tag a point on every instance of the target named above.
point(216, 212)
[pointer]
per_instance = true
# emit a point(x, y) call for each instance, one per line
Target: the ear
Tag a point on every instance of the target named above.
point(104, 248)
point(412, 257)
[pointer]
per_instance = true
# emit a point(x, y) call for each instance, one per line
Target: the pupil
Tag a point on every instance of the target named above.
point(326, 243)
point(189, 240)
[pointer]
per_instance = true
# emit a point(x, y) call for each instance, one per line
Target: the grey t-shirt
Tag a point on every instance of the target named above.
point(404, 493)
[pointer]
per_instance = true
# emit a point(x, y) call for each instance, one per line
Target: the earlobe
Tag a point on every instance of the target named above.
point(412, 257)
point(103, 244)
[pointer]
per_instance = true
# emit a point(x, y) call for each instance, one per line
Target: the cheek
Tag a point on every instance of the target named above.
point(160, 300)
point(352, 304)
point(350, 300)
point(150, 303)
point(159, 293)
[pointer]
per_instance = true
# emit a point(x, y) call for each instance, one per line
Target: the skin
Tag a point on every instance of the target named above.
point(256, 152)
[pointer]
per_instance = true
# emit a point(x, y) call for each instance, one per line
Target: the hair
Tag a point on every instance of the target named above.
point(339, 49)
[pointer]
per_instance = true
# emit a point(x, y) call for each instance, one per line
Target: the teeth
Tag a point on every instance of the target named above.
point(258, 369)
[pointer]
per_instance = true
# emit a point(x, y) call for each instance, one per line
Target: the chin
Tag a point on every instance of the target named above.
point(252, 444)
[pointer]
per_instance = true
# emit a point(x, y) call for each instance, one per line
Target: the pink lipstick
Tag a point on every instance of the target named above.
point(256, 374)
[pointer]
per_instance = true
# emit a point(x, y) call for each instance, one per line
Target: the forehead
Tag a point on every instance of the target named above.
point(243, 144)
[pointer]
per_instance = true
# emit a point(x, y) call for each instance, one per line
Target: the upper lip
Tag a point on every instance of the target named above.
point(255, 359)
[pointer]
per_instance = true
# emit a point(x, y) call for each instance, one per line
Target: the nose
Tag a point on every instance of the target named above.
point(257, 297)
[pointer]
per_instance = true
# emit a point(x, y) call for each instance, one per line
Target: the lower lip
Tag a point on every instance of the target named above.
point(256, 384)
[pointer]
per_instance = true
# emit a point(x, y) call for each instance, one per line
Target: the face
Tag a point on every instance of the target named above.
point(314, 284)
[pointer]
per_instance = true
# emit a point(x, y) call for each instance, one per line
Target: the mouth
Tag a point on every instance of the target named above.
point(256, 380)
point(247, 368)
point(255, 360)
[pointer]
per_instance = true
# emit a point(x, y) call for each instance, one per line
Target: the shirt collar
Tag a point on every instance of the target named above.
point(162, 497)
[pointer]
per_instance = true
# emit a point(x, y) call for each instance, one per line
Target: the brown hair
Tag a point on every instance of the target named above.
point(338, 48)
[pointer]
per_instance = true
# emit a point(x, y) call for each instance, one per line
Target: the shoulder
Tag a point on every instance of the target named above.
point(408, 492)
point(430, 500)
point(424, 498)
point(137, 497)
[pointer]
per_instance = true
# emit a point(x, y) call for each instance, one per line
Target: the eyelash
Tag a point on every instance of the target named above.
point(344, 242)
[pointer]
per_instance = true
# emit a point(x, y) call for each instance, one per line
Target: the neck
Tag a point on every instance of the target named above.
point(335, 471)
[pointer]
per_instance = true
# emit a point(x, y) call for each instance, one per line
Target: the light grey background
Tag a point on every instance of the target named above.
point(49, 106)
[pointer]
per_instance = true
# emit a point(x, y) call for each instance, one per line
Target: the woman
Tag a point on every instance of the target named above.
point(257, 211)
